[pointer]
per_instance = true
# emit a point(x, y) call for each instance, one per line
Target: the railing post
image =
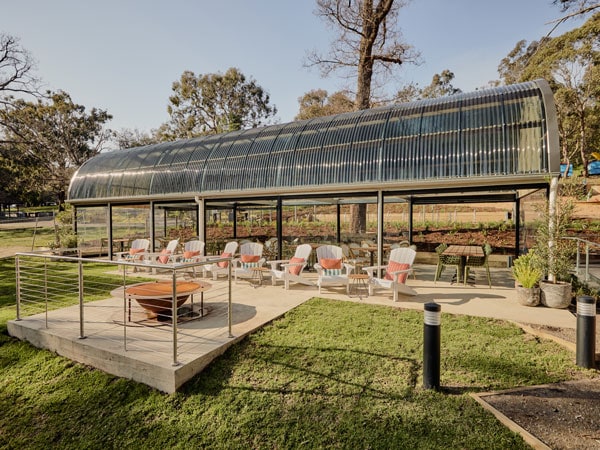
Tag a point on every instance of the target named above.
point(229, 307)
point(126, 308)
point(587, 261)
point(18, 276)
point(46, 288)
point(80, 276)
point(174, 318)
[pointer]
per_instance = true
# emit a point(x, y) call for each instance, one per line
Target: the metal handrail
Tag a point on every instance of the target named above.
point(47, 256)
point(587, 245)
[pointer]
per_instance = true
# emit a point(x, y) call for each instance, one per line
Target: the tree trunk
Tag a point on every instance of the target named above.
point(358, 223)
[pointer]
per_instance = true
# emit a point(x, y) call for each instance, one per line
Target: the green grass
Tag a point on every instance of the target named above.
point(24, 237)
point(327, 375)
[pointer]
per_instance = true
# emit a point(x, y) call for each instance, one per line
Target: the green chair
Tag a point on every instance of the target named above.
point(479, 261)
point(447, 260)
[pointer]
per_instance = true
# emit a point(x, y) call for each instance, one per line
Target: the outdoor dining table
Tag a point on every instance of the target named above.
point(372, 249)
point(464, 251)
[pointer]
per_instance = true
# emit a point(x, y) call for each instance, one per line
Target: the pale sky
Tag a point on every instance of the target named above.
point(123, 55)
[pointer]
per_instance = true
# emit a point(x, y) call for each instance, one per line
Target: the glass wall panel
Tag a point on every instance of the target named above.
point(175, 221)
point(92, 230)
point(130, 222)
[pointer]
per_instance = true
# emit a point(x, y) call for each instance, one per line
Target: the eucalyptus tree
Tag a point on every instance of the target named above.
point(46, 140)
point(215, 103)
point(368, 47)
point(318, 103)
point(129, 138)
point(570, 63)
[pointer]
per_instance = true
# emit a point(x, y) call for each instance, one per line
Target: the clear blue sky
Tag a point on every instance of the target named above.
point(123, 55)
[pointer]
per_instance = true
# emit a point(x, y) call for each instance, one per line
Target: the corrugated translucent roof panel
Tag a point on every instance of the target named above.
point(495, 134)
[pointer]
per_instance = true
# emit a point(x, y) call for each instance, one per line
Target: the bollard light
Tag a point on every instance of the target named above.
point(431, 346)
point(586, 332)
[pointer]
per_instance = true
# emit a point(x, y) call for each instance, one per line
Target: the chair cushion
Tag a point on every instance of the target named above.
point(249, 261)
point(394, 266)
point(164, 256)
point(190, 255)
point(134, 253)
point(330, 263)
point(295, 270)
point(224, 264)
point(331, 266)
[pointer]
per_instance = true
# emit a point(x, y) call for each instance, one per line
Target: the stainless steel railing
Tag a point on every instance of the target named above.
point(584, 247)
point(49, 281)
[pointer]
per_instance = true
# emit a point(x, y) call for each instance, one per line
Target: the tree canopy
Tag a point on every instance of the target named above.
point(317, 103)
point(45, 141)
point(440, 86)
point(368, 43)
point(570, 63)
point(215, 103)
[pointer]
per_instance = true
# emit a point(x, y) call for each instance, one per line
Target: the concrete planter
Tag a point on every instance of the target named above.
point(556, 295)
point(528, 296)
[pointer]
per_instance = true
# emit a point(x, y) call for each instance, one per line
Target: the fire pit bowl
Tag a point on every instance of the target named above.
point(156, 297)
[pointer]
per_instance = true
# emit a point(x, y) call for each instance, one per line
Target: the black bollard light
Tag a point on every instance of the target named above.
point(586, 332)
point(431, 346)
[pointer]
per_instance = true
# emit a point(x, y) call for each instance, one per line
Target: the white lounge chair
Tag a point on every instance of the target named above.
point(249, 259)
point(291, 269)
point(331, 269)
point(222, 267)
point(193, 251)
point(165, 256)
point(137, 252)
point(396, 273)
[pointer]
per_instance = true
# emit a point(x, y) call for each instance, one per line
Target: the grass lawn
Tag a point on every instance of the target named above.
point(26, 237)
point(327, 375)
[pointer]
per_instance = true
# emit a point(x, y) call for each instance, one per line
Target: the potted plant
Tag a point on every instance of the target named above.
point(528, 273)
point(556, 253)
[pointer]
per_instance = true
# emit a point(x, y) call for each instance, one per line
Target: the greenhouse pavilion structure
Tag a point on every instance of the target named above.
point(492, 145)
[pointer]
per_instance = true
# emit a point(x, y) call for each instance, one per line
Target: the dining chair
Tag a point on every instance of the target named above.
point(445, 261)
point(479, 261)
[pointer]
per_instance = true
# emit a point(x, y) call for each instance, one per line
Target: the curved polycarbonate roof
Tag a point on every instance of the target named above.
point(501, 136)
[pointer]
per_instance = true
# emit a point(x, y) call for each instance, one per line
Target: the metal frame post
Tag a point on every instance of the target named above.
point(81, 317)
point(18, 281)
point(174, 318)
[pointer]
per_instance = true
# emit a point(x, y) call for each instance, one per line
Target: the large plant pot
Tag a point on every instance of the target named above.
point(528, 296)
point(556, 295)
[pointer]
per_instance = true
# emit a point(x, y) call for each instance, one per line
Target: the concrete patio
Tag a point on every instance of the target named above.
point(145, 353)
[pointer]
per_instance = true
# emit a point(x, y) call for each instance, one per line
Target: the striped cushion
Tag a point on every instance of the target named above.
point(248, 265)
point(332, 272)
